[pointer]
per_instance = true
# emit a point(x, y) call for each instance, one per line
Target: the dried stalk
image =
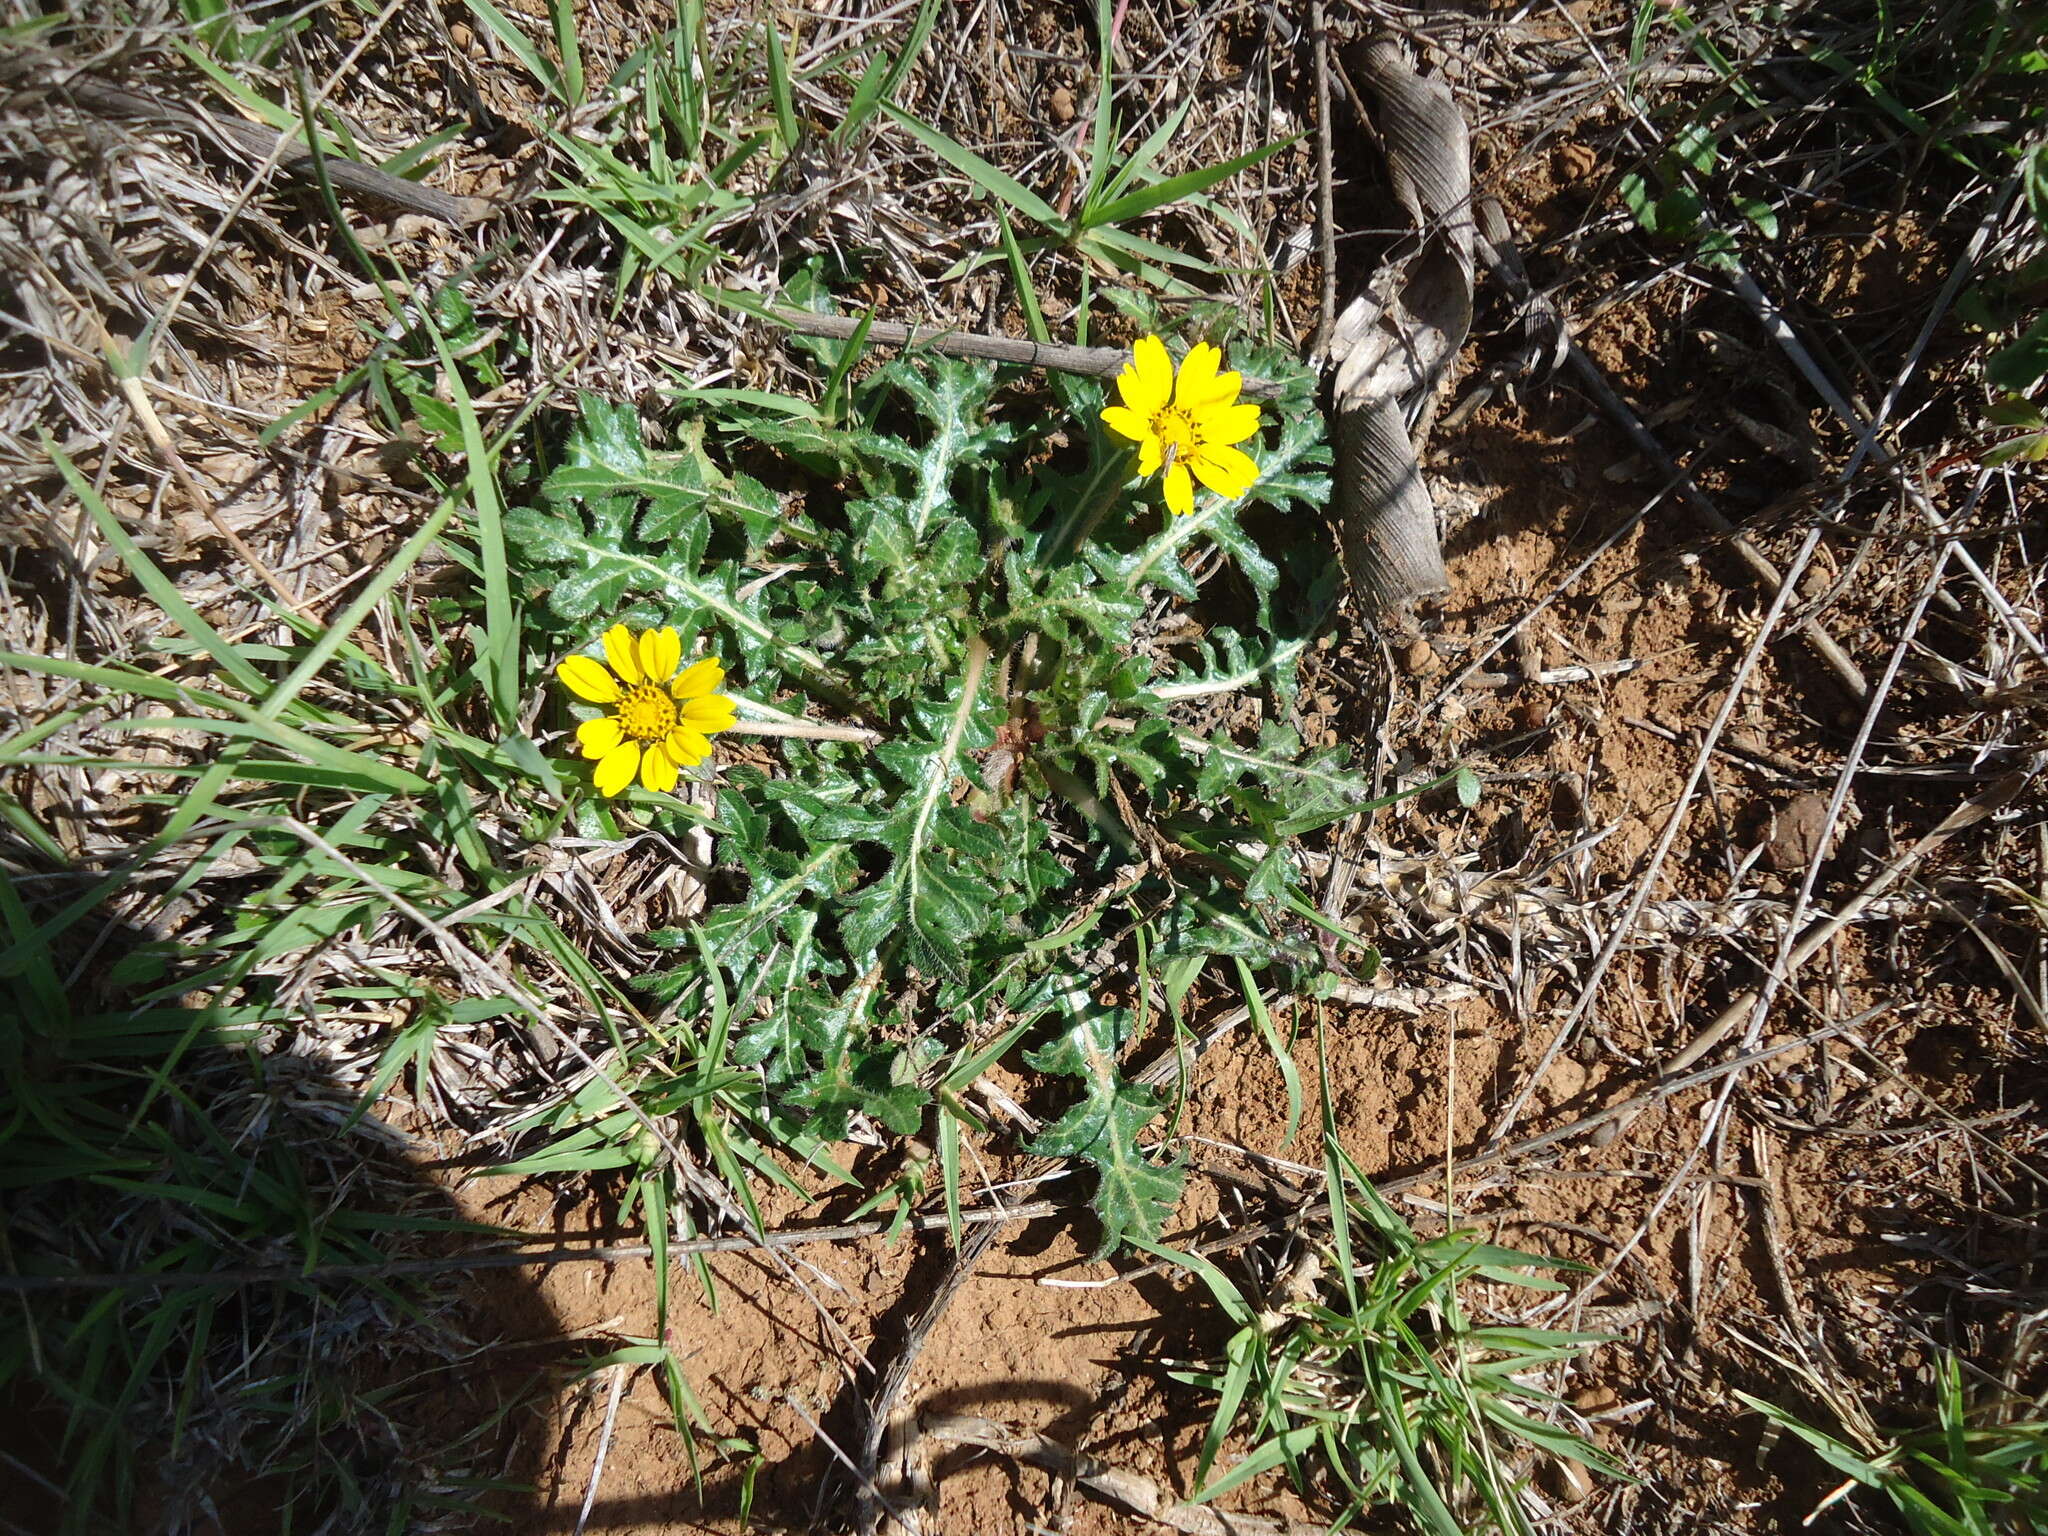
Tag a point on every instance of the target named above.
point(350, 177)
point(1091, 362)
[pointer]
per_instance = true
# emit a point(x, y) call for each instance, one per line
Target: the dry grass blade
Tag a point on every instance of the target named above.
point(1089, 362)
point(269, 147)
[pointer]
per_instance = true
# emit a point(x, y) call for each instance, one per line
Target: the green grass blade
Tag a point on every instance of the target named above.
point(1141, 257)
point(1102, 130)
point(977, 170)
point(832, 404)
point(563, 14)
point(520, 47)
point(350, 770)
point(1282, 1447)
point(688, 48)
point(1020, 277)
point(877, 87)
point(498, 655)
point(1140, 161)
point(779, 93)
point(1290, 1075)
point(949, 1172)
point(372, 593)
point(1145, 199)
point(33, 966)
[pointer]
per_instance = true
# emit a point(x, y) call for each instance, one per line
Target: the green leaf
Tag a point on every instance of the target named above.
point(2031, 446)
point(932, 899)
point(852, 1076)
point(1695, 146)
point(1719, 251)
point(1133, 1194)
point(1635, 194)
point(1759, 213)
point(952, 398)
point(607, 458)
point(2022, 364)
point(1679, 212)
point(589, 546)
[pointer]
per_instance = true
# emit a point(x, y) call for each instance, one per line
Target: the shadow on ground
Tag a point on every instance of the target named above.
point(227, 1302)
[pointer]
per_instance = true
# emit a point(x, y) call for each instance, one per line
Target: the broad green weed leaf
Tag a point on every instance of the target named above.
point(1133, 1195)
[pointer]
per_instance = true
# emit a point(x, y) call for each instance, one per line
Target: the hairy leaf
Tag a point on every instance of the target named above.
point(1133, 1194)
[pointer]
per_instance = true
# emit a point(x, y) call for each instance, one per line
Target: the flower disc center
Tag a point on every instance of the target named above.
point(647, 713)
point(1175, 429)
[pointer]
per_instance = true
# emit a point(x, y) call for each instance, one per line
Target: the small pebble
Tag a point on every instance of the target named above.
point(1567, 1480)
point(1590, 1400)
point(1417, 657)
point(1573, 162)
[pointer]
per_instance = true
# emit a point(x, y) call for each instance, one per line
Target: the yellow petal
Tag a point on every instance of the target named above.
point(661, 652)
point(619, 651)
point(588, 680)
point(1126, 422)
point(1147, 384)
point(615, 771)
point(1180, 493)
point(1200, 384)
point(1197, 375)
point(658, 770)
point(715, 713)
point(1150, 456)
point(1226, 471)
point(700, 677)
point(1222, 425)
point(600, 736)
point(688, 747)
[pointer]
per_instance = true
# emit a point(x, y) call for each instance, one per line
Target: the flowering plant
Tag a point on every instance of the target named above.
point(977, 585)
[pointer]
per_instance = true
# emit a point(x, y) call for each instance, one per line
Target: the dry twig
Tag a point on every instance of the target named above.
point(1091, 362)
point(1126, 1490)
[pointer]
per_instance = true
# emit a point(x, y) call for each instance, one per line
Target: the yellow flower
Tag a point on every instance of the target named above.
point(1189, 424)
point(661, 722)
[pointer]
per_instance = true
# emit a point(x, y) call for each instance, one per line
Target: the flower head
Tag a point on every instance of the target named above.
point(1190, 424)
point(661, 720)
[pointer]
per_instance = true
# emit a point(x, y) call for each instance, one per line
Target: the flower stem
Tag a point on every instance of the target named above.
point(811, 730)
